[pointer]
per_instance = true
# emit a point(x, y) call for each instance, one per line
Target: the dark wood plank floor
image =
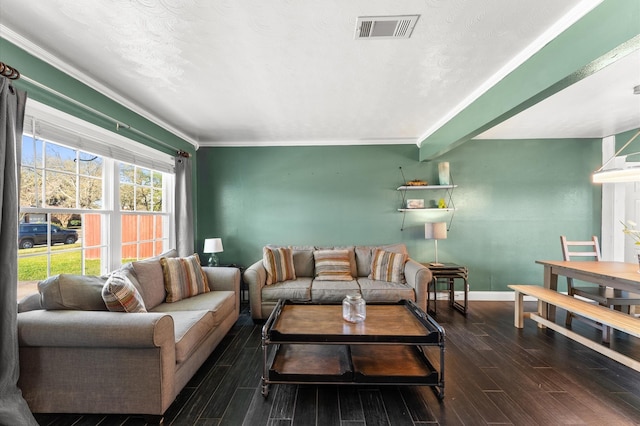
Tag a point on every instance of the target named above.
point(496, 374)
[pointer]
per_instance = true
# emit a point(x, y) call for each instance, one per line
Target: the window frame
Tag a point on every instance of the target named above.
point(78, 134)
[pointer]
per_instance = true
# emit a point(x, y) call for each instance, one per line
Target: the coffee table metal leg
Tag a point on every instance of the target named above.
point(432, 286)
point(265, 386)
point(440, 388)
point(266, 343)
point(265, 366)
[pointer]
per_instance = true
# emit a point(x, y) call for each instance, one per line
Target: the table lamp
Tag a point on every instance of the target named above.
point(213, 246)
point(435, 231)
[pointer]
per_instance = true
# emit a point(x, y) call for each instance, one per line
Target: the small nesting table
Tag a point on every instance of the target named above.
point(448, 273)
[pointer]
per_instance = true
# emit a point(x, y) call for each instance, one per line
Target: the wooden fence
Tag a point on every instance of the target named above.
point(137, 235)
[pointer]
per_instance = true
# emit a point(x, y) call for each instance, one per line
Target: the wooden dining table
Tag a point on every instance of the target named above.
point(618, 275)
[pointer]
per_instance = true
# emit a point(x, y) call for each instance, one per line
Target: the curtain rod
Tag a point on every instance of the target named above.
point(9, 72)
point(119, 124)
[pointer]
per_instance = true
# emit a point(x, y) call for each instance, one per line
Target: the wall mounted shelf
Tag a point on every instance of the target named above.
point(448, 198)
point(424, 187)
point(433, 209)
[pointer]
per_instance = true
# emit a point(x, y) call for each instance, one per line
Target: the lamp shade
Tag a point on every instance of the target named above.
point(435, 230)
point(213, 245)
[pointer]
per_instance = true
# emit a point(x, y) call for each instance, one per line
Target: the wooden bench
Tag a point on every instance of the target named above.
point(601, 314)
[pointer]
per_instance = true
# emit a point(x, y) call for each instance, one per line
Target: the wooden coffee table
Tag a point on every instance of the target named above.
point(396, 344)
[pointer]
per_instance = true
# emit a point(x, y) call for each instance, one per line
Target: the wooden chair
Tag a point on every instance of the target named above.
point(605, 296)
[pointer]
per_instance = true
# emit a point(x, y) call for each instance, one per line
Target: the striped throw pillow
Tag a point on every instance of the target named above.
point(183, 277)
point(332, 265)
point(387, 266)
point(278, 261)
point(120, 295)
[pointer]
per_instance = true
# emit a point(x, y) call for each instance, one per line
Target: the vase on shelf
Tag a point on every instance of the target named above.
point(637, 255)
point(443, 173)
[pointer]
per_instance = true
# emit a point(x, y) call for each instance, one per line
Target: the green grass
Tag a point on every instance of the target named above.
point(34, 268)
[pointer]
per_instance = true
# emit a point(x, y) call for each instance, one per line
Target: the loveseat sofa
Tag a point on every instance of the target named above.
point(79, 356)
point(326, 274)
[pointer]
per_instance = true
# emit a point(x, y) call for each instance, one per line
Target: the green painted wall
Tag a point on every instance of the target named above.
point(513, 201)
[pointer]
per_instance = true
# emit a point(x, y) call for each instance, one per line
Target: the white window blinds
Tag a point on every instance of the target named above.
point(44, 122)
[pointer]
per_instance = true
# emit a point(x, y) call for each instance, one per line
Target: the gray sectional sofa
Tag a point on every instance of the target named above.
point(78, 357)
point(306, 287)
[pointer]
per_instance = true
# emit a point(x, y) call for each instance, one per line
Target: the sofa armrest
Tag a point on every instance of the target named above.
point(223, 278)
point(255, 276)
point(418, 276)
point(66, 328)
point(68, 357)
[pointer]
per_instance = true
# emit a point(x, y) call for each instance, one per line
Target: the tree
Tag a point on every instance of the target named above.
point(68, 178)
point(71, 179)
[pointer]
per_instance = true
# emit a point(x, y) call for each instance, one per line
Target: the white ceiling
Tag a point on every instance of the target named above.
point(602, 105)
point(256, 72)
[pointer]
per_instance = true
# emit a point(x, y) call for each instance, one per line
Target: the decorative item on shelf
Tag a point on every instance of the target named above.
point(213, 246)
point(442, 204)
point(415, 204)
point(443, 173)
point(354, 308)
point(435, 231)
point(417, 182)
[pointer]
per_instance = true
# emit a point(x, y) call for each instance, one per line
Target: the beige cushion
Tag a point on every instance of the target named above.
point(298, 289)
point(385, 291)
point(120, 295)
point(147, 277)
point(363, 260)
point(69, 291)
point(191, 328)
point(278, 262)
point(30, 302)
point(352, 256)
point(333, 265)
point(183, 277)
point(303, 263)
point(364, 253)
point(219, 303)
point(387, 266)
point(332, 291)
point(151, 281)
point(128, 271)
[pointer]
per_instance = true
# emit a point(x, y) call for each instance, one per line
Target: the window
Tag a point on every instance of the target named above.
point(141, 202)
point(83, 208)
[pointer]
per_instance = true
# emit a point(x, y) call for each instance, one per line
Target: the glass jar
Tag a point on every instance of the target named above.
point(354, 308)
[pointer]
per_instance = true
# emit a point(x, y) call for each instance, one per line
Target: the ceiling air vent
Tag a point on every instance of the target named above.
point(385, 26)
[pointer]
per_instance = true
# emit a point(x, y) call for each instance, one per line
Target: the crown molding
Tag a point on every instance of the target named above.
point(324, 142)
point(46, 56)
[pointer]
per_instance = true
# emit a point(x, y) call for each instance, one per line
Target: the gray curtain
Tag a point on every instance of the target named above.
point(184, 206)
point(13, 408)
